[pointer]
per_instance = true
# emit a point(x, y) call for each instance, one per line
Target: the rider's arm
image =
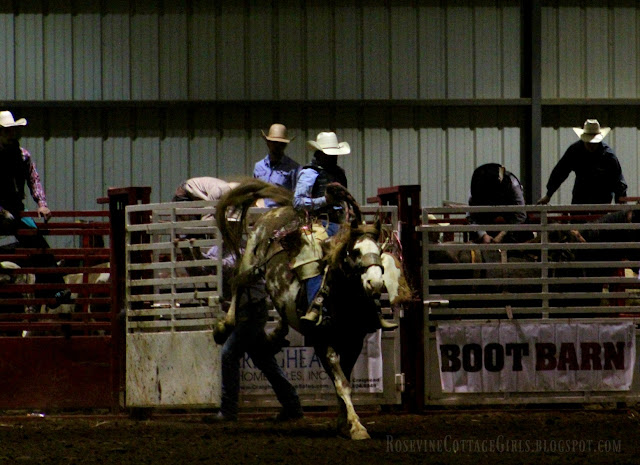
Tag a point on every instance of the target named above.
point(561, 171)
point(303, 196)
point(33, 180)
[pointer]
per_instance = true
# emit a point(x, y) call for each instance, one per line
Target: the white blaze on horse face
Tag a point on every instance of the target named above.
point(372, 281)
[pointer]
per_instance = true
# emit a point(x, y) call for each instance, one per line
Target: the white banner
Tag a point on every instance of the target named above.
point(302, 367)
point(514, 357)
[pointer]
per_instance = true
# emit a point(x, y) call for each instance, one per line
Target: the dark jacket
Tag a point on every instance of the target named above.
point(488, 188)
point(599, 178)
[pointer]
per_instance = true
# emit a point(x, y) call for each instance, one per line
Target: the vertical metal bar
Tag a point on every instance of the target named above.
point(531, 87)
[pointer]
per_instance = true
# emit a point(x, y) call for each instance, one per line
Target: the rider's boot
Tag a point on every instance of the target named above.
point(316, 314)
point(385, 324)
point(381, 322)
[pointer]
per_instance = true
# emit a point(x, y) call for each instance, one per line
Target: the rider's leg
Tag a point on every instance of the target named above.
point(311, 273)
point(315, 301)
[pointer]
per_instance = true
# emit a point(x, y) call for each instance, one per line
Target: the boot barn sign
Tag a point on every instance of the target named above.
point(514, 357)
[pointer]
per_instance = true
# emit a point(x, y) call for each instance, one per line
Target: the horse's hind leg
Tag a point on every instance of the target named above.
point(343, 389)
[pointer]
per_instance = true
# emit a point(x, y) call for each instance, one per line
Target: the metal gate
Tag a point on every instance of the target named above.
point(171, 359)
point(171, 306)
point(63, 357)
point(550, 320)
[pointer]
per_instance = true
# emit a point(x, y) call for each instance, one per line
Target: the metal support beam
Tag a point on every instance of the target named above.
point(531, 87)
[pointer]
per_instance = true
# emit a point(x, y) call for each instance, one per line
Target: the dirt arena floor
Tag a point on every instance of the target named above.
point(496, 436)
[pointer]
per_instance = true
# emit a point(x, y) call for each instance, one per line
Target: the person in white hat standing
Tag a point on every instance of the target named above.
point(310, 195)
point(18, 170)
point(277, 168)
point(599, 178)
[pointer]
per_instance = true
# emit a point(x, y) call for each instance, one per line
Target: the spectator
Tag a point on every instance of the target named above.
point(599, 177)
point(492, 184)
point(277, 168)
point(202, 188)
point(20, 170)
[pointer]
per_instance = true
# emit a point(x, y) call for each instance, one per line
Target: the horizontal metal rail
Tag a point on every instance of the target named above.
point(593, 272)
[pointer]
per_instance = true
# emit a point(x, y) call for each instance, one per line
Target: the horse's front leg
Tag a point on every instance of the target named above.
point(343, 389)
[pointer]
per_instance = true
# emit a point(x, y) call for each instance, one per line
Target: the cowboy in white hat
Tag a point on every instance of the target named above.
point(311, 195)
point(18, 170)
point(16, 162)
point(314, 177)
point(277, 168)
point(599, 178)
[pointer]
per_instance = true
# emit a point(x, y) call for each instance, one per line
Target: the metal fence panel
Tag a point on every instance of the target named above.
point(580, 268)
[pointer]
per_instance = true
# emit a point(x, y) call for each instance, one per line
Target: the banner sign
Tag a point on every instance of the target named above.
point(303, 369)
point(514, 357)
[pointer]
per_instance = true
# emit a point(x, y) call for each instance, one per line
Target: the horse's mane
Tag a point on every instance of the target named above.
point(237, 201)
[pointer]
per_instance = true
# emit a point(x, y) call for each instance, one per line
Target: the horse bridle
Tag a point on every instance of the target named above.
point(370, 259)
point(366, 261)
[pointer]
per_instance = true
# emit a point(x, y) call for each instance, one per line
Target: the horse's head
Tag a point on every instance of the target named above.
point(363, 257)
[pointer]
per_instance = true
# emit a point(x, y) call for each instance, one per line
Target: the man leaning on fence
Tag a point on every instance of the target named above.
point(493, 185)
point(599, 178)
point(19, 171)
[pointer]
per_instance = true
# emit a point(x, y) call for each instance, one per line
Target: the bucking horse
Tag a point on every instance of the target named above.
point(355, 276)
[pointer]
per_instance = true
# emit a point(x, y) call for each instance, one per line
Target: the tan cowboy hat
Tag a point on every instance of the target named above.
point(592, 132)
point(327, 142)
point(6, 120)
point(277, 133)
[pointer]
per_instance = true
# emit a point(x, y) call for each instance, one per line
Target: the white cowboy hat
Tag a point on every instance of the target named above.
point(592, 132)
point(327, 142)
point(277, 133)
point(6, 120)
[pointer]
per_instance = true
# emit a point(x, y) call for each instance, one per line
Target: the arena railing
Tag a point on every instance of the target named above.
point(551, 319)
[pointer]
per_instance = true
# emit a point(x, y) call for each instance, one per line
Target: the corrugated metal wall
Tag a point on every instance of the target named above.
point(152, 92)
point(590, 51)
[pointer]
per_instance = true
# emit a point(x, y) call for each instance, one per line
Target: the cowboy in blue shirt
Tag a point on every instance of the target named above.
point(277, 168)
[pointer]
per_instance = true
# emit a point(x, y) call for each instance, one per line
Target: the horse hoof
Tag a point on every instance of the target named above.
point(360, 434)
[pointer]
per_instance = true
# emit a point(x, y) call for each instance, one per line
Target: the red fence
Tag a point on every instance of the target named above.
point(70, 356)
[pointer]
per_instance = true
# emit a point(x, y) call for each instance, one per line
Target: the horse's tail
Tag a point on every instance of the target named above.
point(236, 202)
